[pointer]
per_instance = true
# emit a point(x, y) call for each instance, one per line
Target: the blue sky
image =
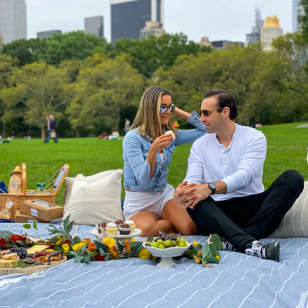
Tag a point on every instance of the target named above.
point(216, 19)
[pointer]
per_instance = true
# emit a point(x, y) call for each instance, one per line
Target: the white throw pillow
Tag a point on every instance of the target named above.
point(95, 198)
point(295, 222)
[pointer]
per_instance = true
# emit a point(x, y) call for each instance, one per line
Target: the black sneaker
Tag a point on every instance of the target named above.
point(268, 251)
point(227, 246)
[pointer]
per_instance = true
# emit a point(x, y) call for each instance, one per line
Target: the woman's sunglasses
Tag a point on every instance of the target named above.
point(164, 108)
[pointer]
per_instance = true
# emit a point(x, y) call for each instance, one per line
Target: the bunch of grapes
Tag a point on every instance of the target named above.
point(166, 241)
point(21, 251)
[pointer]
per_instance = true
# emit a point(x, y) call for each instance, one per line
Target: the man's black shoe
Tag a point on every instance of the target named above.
point(270, 251)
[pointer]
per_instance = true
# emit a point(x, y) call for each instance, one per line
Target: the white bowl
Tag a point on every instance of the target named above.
point(166, 252)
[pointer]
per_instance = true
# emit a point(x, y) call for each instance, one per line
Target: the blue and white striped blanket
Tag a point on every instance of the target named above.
point(239, 281)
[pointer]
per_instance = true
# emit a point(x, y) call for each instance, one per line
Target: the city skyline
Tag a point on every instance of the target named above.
point(13, 20)
point(222, 20)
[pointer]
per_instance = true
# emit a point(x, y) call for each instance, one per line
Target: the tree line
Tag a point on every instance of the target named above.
point(91, 86)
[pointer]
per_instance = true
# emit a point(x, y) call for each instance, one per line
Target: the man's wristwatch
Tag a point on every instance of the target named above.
point(212, 187)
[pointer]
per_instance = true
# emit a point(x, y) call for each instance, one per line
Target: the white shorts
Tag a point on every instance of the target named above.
point(136, 202)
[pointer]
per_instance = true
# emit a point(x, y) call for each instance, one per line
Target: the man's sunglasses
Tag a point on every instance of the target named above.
point(207, 113)
point(164, 108)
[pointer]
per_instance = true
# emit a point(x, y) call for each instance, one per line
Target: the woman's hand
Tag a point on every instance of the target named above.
point(157, 146)
point(160, 143)
point(181, 113)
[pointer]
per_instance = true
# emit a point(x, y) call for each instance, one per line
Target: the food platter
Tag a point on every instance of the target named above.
point(31, 269)
point(116, 236)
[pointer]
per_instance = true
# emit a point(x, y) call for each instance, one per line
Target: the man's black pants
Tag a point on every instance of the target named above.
point(246, 219)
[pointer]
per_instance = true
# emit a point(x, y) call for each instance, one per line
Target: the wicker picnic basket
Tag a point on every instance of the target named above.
point(9, 203)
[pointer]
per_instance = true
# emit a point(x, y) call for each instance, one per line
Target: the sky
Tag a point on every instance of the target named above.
point(216, 19)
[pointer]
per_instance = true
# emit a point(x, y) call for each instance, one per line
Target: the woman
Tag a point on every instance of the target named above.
point(147, 153)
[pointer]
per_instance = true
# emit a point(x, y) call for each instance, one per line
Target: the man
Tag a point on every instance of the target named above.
point(225, 194)
point(51, 129)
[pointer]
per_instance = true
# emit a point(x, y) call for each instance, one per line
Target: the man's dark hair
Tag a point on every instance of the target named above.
point(224, 99)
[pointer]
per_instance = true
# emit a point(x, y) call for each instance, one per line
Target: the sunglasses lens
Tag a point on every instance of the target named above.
point(165, 108)
point(205, 113)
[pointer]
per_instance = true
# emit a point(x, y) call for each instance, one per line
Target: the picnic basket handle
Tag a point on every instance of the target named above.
point(23, 179)
point(61, 177)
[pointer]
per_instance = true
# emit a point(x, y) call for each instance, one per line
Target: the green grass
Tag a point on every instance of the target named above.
point(286, 150)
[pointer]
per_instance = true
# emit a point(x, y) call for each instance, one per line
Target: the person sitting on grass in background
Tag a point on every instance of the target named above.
point(147, 153)
point(223, 190)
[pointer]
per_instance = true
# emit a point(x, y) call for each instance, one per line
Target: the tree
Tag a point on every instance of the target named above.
point(71, 46)
point(155, 52)
point(303, 20)
point(36, 90)
point(101, 92)
point(25, 51)
point(7, 67)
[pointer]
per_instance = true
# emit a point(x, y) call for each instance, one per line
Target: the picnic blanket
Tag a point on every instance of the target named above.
point(239, 281)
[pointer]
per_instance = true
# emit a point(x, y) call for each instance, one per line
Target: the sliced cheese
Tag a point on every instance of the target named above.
point(9, 263)
point(36, 248)
point(10, 256)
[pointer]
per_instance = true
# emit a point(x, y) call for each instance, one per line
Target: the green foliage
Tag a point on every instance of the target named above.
point(25, 51)
point(64, 231)
point(102, 91)
point(303, 20)
point(71, 46)
point(5, 234)
point(156, 52)
point(91, 86)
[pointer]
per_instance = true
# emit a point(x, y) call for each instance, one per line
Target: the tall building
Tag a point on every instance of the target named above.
point(297, 9)
point(94, 25)
point(13, 20)
point(47, 34)
point(204, 41)
point(151, 28)
point(225, 44)
point(255, 35)
point(270, 31)
point(128, 17)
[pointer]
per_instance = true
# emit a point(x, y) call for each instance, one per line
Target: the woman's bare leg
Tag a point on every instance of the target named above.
point(179, 218)
point(150, 224)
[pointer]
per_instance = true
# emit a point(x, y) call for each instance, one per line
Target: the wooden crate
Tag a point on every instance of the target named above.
point(16, 201)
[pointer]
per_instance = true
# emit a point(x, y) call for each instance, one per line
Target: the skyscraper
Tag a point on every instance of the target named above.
point(128, 17)
point(13, 20)
point(255, 34)
point(94, 25)
point(297, 9)
point(47, 34)
point(270, 31)
point(151, 28)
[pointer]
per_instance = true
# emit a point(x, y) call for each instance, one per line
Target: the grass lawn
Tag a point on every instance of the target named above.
point(286, 150)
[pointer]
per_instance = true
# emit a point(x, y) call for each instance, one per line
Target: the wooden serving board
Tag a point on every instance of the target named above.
point(31, 269)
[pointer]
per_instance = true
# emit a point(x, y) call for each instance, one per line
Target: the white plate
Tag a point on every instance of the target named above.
point(166, 252)
point(116, 236)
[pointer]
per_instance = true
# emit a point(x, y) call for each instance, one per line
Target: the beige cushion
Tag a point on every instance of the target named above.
point(93, 199)
point(295, 222)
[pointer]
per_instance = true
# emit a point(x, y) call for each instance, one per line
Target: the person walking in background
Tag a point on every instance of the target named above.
point(51, 129)
point(147, 152)
point(126, 125)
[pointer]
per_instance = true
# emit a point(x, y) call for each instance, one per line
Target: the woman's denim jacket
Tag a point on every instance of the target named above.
point(135, 151)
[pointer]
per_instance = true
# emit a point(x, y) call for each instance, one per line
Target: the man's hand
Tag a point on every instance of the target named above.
point(189, 195)
point(202, 192)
